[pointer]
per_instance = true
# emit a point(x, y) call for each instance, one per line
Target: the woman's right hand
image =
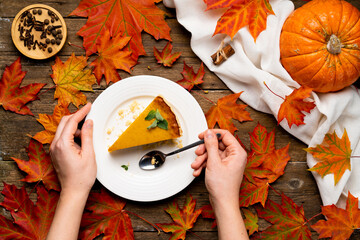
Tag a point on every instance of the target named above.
point(225, 162)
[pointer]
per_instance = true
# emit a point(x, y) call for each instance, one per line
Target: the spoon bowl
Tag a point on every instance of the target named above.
point(155, 159)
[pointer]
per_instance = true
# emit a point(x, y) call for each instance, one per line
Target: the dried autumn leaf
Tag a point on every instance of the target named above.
point(105, 214)
point(124, 17)
point(225, 109)
point(261, 141)
point(112, 56)
point(190, 79)
point(294, 105)
point(340, 223)
point(265, 164)
point(333, 156)
point(242, 13)
point(165, 57)
point(214, 4)
point(12, 96)
point(184, 218)
point(251, 221)
point(208, 212)
point(288, 220)
point(71, 78)
point(39, 166)
point(50, 123)
point(251, 193)
point(30, 221)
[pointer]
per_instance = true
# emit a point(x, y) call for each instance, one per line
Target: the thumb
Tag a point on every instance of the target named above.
point(211, 145)
point(87, 137)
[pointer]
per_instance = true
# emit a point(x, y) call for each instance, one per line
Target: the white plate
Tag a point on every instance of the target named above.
point(136, 93)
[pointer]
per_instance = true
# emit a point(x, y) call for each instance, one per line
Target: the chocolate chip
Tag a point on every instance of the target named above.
point(49, 49)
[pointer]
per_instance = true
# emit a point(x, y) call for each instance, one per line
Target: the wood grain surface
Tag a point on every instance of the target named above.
point(297, 182)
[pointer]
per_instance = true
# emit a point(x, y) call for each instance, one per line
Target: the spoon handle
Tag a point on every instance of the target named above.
point(190, 146)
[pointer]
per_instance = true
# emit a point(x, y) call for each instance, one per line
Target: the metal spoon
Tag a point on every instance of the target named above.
point(155, 159)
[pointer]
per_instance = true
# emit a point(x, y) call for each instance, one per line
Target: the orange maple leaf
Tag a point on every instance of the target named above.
point(190, 79)
point(125, 17)
point(70, 79)
point(294, 105)
point(165, 57)
point(112, 56)
point(12, 96)
point(50, 123)
point(39, 166)
point(340, 223)
point(184, 218)
point(215, 4)
point(288, 220)
point(252, 13)
point(225, 109)
point(333, 155)
point(251, 193)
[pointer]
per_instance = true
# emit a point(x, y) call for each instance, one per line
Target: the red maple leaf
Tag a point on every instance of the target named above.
point(12, 96)
point(190, 79)
point(265, 164)
point(288, 220)
point(39, 166)
point(165, 57)
point(208, 212)
point(30, 221)
point(50, 123)
point(340, 223)
point(225, 109)
point(105, 215)
point(112, 56)
point(252, 13)
point(333, 155)
point(294, 105)
point(184, 218)
point(125, 17)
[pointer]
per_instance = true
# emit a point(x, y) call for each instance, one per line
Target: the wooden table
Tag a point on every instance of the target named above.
point(297, 182)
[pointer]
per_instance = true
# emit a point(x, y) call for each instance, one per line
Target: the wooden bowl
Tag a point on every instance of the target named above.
point(22, 45)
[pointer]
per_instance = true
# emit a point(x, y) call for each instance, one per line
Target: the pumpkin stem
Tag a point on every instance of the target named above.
point(334, 45)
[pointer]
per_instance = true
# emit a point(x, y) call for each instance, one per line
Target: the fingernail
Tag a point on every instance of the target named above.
point(208, 134)
point(89, 123)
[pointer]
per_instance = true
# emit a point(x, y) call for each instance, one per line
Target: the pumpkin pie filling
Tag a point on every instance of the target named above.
point(146, 129)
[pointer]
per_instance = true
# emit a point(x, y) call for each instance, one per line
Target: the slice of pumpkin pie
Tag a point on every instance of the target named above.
point(156, 123)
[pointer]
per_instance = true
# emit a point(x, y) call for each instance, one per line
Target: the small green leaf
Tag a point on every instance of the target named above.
point(163, 124)
point(158, 115)
point(126, 167)
point(151, 115)
point(153, 125)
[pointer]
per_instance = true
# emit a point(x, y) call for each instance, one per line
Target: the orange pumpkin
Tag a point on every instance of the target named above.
point(320, 45)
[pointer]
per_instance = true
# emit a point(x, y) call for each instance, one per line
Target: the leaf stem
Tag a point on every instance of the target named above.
point(273, 92)
point(204, 97)
point(194, 234)
point(316, 215)
point(74, 45)
point(158, 230)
